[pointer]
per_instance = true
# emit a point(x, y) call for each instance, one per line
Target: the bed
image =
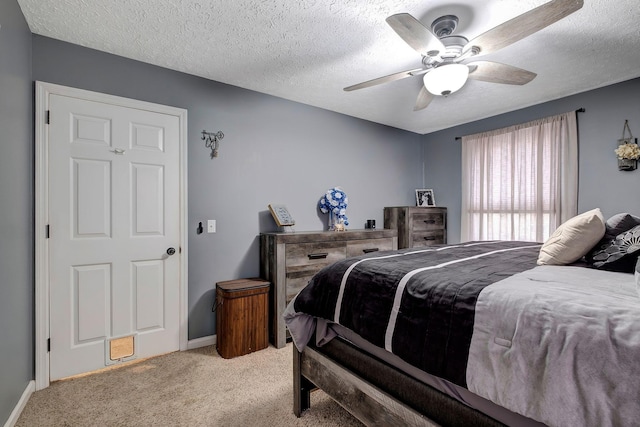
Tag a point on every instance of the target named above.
point(477, 333)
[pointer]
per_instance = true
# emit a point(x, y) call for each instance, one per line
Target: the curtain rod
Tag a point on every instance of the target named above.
point(579, 110)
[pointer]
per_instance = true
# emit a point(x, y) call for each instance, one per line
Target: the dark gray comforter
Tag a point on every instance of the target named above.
point(481, 316)
point(417, 304)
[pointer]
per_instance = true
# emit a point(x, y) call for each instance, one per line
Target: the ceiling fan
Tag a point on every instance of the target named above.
point(448, 60)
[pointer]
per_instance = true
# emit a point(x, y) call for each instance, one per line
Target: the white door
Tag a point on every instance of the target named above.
point(114, 212)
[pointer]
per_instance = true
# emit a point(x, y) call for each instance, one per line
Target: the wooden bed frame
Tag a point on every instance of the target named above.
point(373, 391)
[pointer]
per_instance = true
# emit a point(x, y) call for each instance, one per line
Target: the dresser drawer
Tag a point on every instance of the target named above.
point(427, 221)
point(295, 282)
point(303, 260)
point(317, 253)
point(428, 238)
point(361, 247)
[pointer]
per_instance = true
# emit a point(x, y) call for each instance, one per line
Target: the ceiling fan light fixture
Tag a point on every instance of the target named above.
point(446, 79)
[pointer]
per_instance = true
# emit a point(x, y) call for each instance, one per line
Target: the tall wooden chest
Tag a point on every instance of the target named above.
point(417, 226)
point(242, 315)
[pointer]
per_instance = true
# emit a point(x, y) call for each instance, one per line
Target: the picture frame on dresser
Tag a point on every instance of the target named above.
point(425, 197)
point(281, 215)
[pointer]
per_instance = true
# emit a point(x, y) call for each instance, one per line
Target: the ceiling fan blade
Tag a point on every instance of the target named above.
point(424, 99)
point(385, 79)
point(415, 34)
point(523, 26)
point(495, 72)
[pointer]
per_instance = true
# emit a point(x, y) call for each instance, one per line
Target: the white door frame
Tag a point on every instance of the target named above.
point(43, 90)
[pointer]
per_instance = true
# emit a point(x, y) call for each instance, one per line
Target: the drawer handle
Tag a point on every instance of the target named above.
point(429, 221)
point(366, 251)
point(320, 255)
point(430, 238)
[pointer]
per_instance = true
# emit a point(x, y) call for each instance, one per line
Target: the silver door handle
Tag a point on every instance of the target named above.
point(117, 151)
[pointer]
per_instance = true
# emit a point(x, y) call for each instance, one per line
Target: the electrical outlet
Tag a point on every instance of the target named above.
point(211, 226)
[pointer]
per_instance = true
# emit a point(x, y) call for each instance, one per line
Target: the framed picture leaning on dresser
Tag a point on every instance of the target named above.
point(425, 198)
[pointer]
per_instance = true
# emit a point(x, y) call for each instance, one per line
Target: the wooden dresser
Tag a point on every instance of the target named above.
point(417, 226)
point(289, 260)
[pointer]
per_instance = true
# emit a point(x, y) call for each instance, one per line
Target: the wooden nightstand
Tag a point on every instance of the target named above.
point(417, 226)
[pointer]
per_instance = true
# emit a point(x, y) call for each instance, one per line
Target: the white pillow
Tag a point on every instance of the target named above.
point(573, 239)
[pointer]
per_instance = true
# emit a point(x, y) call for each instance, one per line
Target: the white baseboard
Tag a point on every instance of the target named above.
point(15, 414)
point(201, 342)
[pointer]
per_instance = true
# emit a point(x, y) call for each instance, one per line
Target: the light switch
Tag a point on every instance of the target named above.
point(211, 226)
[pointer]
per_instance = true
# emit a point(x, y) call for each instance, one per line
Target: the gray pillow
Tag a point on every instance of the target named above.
point(620, 254)
point(619, 223)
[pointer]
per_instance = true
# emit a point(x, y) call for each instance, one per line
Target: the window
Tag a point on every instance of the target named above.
point(520, 183)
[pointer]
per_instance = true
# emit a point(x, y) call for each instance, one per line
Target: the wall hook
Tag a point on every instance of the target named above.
point(212, 141)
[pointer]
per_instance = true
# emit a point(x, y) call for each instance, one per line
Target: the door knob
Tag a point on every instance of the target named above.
point(171, 251)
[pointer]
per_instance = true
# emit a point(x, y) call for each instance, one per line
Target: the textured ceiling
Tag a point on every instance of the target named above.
point(308, 50)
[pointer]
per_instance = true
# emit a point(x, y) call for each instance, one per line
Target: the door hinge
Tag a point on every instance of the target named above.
point(48, 117)
point(48, 344)
point(47, 230)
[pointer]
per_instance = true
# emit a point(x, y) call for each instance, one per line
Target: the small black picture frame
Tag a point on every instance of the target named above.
point(425, 197)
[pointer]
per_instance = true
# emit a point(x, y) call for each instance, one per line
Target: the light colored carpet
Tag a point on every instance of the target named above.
point(192, 388)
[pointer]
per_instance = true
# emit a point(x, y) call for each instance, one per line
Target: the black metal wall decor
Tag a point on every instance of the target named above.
point(628, 151)
point(212, 141)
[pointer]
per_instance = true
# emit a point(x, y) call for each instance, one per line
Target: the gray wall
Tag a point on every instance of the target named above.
point(600, 183)
point(16, 208)
point(274, 151)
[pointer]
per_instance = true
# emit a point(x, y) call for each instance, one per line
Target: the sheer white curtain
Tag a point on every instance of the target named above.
point(521, 182)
